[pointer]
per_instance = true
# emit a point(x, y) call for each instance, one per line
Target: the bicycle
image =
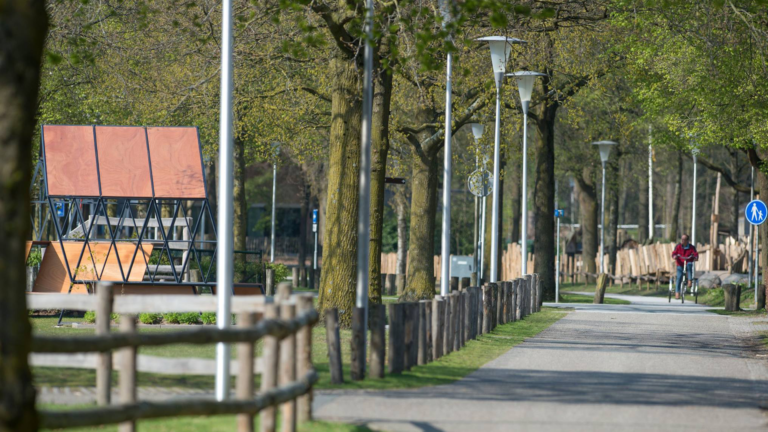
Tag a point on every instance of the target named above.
point(684, 286)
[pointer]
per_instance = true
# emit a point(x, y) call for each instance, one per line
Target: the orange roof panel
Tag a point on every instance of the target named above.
point(123, 161)
point(70, 161)
point(177, 168)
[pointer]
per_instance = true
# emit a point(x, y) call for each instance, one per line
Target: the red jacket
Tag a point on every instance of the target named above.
point(681, 252)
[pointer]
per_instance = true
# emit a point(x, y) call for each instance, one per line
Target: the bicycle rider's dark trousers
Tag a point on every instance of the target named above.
point(688, 271)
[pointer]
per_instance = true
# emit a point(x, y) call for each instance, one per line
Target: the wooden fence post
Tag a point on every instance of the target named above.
point(463, 283)
point(479, 311)
point(501, 303)
point(270, 284)
point(269, 359)
point(487, 303)
point(528, 294)
point(304, 358)
point(438, 305)
point(295, 277)
point(448, 326)
point(421, 357)
point(458, 320)
point(494, 304)
point(396, 352)
point(378, 341)
point(357, 352)
point(409, 336)
point(244, 384)
point(414, 352)
point(537, 280)
point(127, 378)
point(333, 341)
point(467, 304)
point(284, 291)
point(428, 328)
point(288, 370)
point(104, 363)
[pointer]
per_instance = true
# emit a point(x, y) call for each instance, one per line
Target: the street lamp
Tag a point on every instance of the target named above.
point(605, 151)
point(525, 81)
point(445, 249)
point(275, 154)
point(477, 131)
point(500, 49)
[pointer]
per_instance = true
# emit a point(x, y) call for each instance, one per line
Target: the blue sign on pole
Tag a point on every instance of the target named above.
point(558, 213)
point(59, 209)
point(756, 212)
point(314, 216)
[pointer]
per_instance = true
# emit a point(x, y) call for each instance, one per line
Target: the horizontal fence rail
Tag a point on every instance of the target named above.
point(135, 304)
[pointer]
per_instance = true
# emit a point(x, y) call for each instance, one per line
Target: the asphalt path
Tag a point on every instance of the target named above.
point(648, 366)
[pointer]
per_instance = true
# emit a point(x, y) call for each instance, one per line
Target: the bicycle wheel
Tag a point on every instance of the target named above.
point(696, 294)
point(682, 296)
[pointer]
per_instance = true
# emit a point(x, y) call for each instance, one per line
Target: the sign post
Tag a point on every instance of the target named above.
point(314, 230)
point(756, 213)
point(558, 215)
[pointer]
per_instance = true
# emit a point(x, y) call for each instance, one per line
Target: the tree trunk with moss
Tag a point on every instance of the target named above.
point(588, 215)
point(613, 216)
point(240, 209)
point(544, 195)
point(642, 207)
point(338, 278)
point(23, 27)
point(675, 213)
point(382, 99)
point(420, 278)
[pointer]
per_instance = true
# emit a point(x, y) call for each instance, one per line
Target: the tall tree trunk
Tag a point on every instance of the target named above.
point(382, 98)
point(338, 279)
point(675, 213)
point(613, 216)
point(588, 215)
point(623, 194)
point(735, 204)
point(642, 208)
point(240, 213)
point(421, 266)
point(304, 231)
point(544, 196)
point(401, 207)
point(515, 200)
point(23, 26)
point(761, 183)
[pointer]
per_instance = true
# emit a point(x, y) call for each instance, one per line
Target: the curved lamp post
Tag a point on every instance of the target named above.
point(605, 151)
point(500, 49)
point(525, 81)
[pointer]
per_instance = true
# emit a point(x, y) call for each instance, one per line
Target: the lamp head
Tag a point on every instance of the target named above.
point(605, 149)
point(500, 49)
point(525, 81)
point(477, 130)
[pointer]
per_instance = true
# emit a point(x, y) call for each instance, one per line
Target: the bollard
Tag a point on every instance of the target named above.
point(270, 284)
point(396, 353)
point(437, 327)
point(295, 277)
point(390, 285)
point(378, 340)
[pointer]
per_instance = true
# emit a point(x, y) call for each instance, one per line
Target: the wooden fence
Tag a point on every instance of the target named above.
point(287, 374)
point(422, 332)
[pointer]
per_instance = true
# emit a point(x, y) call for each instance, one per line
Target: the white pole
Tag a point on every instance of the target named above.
point(693, 211)
point(650, 184)
point(602, 225)
point(225, 256)
point(524, 204)
point(757, 259)
point(557, 265)
point(445, 250)
point(274, 194)
point(364, 203)
point(751, 237)
point(496, 173)
point(482, 238)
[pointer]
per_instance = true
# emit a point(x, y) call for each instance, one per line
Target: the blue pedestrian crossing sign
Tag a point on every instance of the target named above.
point(756, 212)
point(558, 213)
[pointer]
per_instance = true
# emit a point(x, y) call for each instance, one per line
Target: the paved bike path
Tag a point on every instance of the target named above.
point(618, 368)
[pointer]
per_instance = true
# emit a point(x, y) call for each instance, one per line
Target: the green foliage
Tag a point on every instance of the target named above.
point(281, 271)
point(172, 317)
point(208, 318)
point(150, 318)
point(90, 317)
point(189, 318)
point(35, 258)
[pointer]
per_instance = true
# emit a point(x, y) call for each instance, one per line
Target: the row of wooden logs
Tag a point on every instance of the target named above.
point(421, 332)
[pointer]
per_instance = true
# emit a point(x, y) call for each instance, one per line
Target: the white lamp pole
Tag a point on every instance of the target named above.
point(525, 81)
point(226, 237)
point(477, 131)
point(500, 49)
point(650, 185)
point(605, 151)
point(695, 153)
point(445, 249)
point(275, 153)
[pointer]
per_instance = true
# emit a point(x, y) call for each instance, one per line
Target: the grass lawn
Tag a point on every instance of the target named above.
point(578, 298)
point(450, 368)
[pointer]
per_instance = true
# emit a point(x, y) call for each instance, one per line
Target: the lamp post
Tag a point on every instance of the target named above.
point(695, 153)
point(275, 154)
point(445, 249)
point(650, 185)
point(605, 151)
point(500, 49)
point(525, 81)
point(225, 259)
point(477, 131)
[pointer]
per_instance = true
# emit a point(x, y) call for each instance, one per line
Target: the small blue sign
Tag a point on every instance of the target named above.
point(756, 212)
point(559, 213)
point(314, 216)
point(59, 209)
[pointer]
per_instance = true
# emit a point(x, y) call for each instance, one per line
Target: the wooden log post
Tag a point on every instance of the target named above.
point(104, 294)
point(731, 294)
point(390, 287)
point(270, 284)
point(244, 384)
point(487, 308)
point(467, 308)
point(295, 277)
point(304, 359)
point(428, 328)
point(513, 300)
point(421, 358)
point(127, 366)
point(333, 341)
point(409, 337)
point(357, 348)
point(447, 327)
point(438, 306)
point(528, 294)
point(378, 340)
point(602, 283)
point(494, 305)
point(288, 370)
point(500, 303)
point(480, 305)
point(414, 352)
point(473, 279)
point(536, 294)
point(311, 278)
point(284, 291)
point(458, 321)
point(539, 293)
point(269, 360)
point(396, 352)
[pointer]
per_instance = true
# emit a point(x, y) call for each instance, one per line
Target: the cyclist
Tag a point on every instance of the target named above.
point(684, 254)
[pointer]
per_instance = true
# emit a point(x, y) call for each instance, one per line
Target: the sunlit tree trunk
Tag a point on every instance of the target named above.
point(544, 196)
point(421, 267)
point(23, 26)
point(588, 215)
point(240, 208)
point(675, 213)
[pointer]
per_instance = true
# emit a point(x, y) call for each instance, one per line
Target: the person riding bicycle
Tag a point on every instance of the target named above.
point(684, 254)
